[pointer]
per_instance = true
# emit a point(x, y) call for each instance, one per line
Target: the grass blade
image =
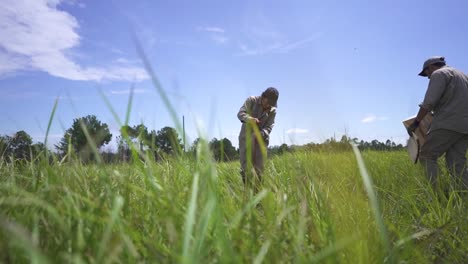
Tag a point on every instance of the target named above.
point(373, 201)
point(190, 220)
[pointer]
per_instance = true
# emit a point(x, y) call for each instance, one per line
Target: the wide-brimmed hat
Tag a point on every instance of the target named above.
point(431, 61)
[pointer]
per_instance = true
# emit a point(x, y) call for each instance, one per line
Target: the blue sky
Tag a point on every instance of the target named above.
point(340, 66)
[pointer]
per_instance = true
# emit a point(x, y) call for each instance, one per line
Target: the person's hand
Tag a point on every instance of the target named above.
point(411, 128)
point(254, 121)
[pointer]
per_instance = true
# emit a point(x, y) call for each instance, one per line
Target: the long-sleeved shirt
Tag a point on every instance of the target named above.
point(252, 108)
point(447, 97)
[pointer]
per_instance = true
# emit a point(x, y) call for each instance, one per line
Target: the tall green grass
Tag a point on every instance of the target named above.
point(313, 207)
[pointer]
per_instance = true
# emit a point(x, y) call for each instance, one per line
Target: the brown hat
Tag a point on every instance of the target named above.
point(431, 61)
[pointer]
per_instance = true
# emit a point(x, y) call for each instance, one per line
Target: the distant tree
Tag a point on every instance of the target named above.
point(215, 147)
point(75, 136)
point(229, 150)
point(283, 148)
point(38, 149)
point(193, 148)
point(108, 155)
point(223, 150)
point(127, 138)
point(123, 149)
point(375, 144)
point(20, 145)
point(345, 139)
point(3, 146)
point(388, 144)
point(140, 133)
point(167, 140)
point(137, 136)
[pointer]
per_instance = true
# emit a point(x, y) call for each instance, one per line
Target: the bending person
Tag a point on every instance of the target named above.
point(259, 112)
point(447, 98)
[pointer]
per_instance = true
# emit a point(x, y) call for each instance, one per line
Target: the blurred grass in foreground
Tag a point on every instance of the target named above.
point(313, 208)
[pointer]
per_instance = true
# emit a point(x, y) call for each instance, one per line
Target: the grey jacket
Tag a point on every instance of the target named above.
point(252, 108)
point(447, 97)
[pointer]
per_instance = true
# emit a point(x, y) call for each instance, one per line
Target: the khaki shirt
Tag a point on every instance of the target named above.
point(252, 108)
point(447, 97)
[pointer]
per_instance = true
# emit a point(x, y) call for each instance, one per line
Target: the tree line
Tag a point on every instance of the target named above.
point(87, 135)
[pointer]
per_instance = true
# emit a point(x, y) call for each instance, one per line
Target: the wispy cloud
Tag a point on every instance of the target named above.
point(297, 131)
point(36, 35)
point(18, 94)
point(372, 118)
point(287, 47)
point(10, 63)
point(217, 34)
point(121, 92)
point(261, 36)
point(369, 119)
point(211, 29)
point(125, 61)
point(275, 47)
point(259, 50)
point(219, 39)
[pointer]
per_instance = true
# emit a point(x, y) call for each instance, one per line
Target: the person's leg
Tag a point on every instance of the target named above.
point(456, 160)
point(437, 143)
point(259, 165)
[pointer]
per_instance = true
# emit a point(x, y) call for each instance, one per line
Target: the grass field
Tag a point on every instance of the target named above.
point(313, 207)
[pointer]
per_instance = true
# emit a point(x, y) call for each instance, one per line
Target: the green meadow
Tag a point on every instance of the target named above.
point(312, 207)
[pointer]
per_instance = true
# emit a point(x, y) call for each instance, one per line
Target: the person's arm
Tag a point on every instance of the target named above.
point(245, 110)
point(421, 114)
point(268, 126)
point(435, 90)
point(419, 117)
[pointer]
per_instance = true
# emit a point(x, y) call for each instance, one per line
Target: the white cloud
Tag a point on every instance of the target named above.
point(219, 39)
point(217, 34)
point(297, 131)
point(35, 35)
point(10, 63)
point(124, 61)
point(260, 36)
point(120, 92)
point(297, 44)
point(369, 119)
point(372, 118)
point(276, 47)
point(248, 51)
point(211, 29)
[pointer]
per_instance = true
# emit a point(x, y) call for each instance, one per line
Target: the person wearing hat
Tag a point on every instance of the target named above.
point(447, 99)
point(259, 112)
